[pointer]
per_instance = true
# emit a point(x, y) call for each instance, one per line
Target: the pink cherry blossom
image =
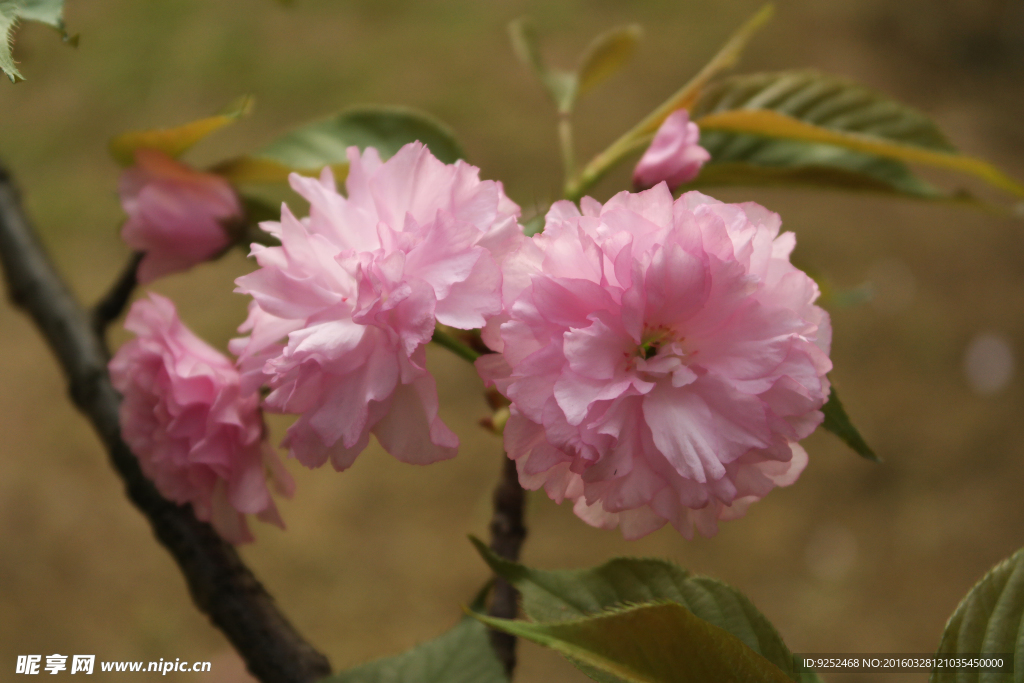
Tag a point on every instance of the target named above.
point(195, 433)
point(674, 156)
point(343, 309)
point(663, 359)
point(176, 215)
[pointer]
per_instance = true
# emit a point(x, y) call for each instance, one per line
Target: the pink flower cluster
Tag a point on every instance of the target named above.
point(663, 358)
point(196, 434)
point(176, 215)
point(357, 288)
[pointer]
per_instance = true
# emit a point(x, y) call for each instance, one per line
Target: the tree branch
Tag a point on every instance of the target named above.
point(507, 535)
point(220, 583)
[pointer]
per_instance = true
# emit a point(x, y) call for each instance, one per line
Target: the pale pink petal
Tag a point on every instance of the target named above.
point(196, 433)
point(411, 431)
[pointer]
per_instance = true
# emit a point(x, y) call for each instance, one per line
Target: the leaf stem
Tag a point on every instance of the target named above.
point(442, 338)
point(568, 154)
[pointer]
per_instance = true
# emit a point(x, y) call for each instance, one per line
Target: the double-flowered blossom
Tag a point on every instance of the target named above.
point(197, 435)
point(178, 216)
point(675, 155)
point(342, 310)
point(663, 358)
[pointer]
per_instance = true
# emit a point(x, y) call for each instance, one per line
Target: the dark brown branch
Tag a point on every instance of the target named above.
point(220, 583)
point(112, 304)
point(507, 535)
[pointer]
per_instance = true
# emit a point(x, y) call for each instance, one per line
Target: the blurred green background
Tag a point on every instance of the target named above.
point(855, 557)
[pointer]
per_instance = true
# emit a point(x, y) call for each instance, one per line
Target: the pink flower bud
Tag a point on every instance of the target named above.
point(195, 433)
point(674, 156)
point(176, 215)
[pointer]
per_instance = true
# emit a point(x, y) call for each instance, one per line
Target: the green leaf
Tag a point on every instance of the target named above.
point(989, 620)
point(561, 86)
point(751, 160)
point(806, 112)
point(50, 12)
point(526, 45)
point(552, 596)
point(826, 101)
point(651, 643)
point(773, 124)
point(176, 141)
point(838, 422)
point(308, 148)
point(461, 655)
point(605, 55)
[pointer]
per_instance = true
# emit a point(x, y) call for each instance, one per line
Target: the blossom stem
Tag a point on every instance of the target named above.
point(442, 338)
point(568, 153)
point(605, 162)
point(507, 535)
point(110, 307)
point(221, 585)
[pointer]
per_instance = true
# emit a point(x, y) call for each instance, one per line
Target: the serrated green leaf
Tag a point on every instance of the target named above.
point(651, 643)
point(176, 141)
point(823, 101)
point(751, 160)
point(50, 12)
point(308, 148)
point(839, 423)
point(989, 620)
point(806, 112)
point(826, 101)
point(462, 655)
point(605, 55)
point(769, 123)
point(551, 596)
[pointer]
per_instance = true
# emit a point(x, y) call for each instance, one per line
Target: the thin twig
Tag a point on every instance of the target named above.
point(112, 304)
point(220, 583)
point(507, 534)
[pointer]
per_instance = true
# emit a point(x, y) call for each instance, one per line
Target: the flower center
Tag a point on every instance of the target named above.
point(651, 342)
